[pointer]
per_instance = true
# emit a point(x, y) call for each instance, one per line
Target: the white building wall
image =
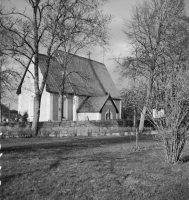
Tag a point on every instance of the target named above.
point(27, 91)
point(89, 116)
point(31, 107)
point(65, 108)
point(158, 114)
point(75, 107)
point(45, 106)
point(19, 103)
point(119, 110)
point(26, 98)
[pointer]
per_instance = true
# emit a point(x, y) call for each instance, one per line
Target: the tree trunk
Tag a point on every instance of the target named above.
point(143, 113)
point(60, 107)
point(136, 132)
point(142, 118)
point(0, 111)
point(37, 103)
point(0, 93)
point(134, 117)
point(174, 148)
point(135, 125)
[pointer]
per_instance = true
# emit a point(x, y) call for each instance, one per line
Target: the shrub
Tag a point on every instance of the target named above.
point(26, 133)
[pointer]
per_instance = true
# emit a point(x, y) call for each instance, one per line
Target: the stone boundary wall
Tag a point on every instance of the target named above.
point(69, 129)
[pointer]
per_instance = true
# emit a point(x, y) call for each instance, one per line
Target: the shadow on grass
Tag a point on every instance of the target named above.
point(72, 143)
point(185, 159)
point(7, 178)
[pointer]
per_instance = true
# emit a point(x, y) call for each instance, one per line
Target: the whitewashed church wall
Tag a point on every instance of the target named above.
point(45, 107)
point(88, 116)
point(26, 98)
point(75, 106)
point(120, 110)
point(27, 91)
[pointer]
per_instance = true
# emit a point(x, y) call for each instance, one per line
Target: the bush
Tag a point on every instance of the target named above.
point(26, 133)
point(25, 117)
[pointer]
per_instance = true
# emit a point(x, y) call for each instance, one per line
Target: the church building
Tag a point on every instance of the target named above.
point(89, 91)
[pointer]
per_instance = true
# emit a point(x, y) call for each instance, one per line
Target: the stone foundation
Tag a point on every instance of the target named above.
point(68, 129)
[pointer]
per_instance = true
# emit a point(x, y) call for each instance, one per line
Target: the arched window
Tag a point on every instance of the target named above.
point(108, 115)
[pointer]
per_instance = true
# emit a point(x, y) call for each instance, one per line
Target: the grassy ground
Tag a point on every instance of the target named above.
point(90, 168)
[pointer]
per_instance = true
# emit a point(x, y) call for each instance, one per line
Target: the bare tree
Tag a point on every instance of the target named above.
point(133, 99)
point(69, 69)
point(172, 102)
point(43, 27)
point(27, 33)
point(159, 35)
point(87, 27)
point(171, 93)
point(8, 82)
point(147, 32)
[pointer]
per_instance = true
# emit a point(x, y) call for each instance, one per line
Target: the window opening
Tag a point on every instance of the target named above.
point(108, 115)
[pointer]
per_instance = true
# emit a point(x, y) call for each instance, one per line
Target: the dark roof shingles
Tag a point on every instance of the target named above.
point(93, 104)
point(86, 77)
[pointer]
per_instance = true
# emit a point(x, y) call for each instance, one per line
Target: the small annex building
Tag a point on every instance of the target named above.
point(90, 93)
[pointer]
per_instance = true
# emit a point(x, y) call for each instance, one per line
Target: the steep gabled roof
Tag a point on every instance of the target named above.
point(92, 104)
point(105, 79)
point(54, 78)
point(95, 104)
point(84, 76)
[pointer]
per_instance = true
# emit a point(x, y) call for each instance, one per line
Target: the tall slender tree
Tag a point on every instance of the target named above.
point(159, 34)
point(8, 82)
point(86, 28)
point(147, 32)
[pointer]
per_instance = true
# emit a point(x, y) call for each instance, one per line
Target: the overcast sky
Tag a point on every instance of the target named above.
point(121, 11)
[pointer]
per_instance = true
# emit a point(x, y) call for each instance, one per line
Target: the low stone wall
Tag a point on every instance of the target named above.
point(68, 129)
point(84, 128)
point(15, 129)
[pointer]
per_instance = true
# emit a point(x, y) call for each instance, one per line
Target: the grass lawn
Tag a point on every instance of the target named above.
point(90, 168)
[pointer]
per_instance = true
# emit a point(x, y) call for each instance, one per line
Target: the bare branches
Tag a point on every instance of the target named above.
point(8, 79)
point(48, 26)
point(158, 34)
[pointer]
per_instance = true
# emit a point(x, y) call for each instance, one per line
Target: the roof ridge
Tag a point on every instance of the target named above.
point(95, 70)
point(87, 59)
point(79, 57)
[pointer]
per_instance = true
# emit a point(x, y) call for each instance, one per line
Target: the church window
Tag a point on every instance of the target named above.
point(108, 115)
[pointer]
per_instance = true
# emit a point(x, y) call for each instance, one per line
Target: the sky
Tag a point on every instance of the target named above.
point(120, 11)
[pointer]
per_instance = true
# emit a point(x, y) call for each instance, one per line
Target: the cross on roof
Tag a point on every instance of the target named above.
point(89, 54)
